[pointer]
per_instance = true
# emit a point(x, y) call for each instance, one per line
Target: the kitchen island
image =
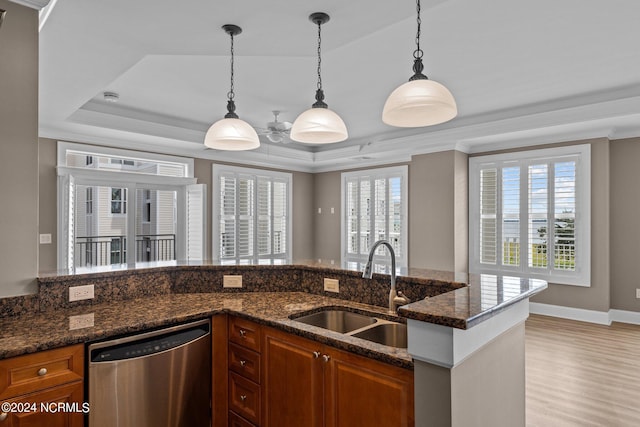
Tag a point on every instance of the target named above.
point(465, 336)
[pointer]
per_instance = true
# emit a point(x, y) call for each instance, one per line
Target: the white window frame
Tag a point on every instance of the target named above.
point(131, 181)
point(402, 261)
point(582, 155)
point(217, 171)
point(124, 194)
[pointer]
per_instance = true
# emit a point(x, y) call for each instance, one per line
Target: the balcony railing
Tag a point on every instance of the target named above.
point(107, 250)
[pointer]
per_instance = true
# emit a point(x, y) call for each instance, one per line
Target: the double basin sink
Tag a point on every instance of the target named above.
point(358, 325)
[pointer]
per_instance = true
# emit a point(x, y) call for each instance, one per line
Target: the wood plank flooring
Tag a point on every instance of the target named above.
point(582, 374)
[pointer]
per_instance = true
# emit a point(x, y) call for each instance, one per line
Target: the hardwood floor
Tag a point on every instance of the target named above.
point(582, 374)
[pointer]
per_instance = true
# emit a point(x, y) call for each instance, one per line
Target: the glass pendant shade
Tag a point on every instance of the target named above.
point(319, 126)
point(231, 135)
point(419, 103)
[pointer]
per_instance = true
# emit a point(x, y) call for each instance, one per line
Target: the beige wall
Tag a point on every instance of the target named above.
point(326, 236)
point(19, 150)
point(438, 211)
point(48, 202)
point(625, 223)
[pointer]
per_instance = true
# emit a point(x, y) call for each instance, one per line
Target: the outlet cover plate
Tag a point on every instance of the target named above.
point(81, 321)
point(79, 293)
point(331, 285)
point(231, 281)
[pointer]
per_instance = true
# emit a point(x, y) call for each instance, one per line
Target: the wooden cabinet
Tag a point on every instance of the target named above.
point(244, 392)
point(293, 378)
point(362, 391)
point(306, 383)
point(49, 379)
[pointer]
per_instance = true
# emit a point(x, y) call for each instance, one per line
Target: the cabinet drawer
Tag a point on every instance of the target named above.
point(70, 395)
point(245, 333)
point(244, 362)
point(236, 420)
point(25, 374)
point(244, 397)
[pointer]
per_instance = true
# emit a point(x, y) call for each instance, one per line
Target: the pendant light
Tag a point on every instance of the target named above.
point(319, 125)
point(419, 102)
point(231, 133)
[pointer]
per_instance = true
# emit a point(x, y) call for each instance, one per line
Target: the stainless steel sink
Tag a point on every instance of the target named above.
point(337, 320)
point(358, 325)
point(391, 334)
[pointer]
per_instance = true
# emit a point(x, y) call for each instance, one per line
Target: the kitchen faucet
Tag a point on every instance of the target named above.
point(395, 298)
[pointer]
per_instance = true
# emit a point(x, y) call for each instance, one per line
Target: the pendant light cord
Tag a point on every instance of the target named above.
point(418, 53)
point(319, 92)
point(319, 56)
point(231, 94)
point(231, 105)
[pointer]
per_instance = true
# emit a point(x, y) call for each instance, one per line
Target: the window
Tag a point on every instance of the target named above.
point(105, 212)
point(118, 200)
point(252, 216)
point(118, 250)
point(374, 207)
point(89, 200)
point(530, 214)
point(146, 208)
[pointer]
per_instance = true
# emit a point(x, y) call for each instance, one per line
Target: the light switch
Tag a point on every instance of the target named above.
point(45, 239)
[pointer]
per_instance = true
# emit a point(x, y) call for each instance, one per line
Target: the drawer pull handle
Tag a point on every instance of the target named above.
point(243, 362)
point(42, 372)
point(326, 357)
point(243, 333)
point(316, 354)
point(243, 397)
point(3, 416)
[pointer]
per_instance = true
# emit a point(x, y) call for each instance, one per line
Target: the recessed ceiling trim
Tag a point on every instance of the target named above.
point(34, 4)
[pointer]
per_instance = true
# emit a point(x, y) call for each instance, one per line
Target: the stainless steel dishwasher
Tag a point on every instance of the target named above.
point(160, 378)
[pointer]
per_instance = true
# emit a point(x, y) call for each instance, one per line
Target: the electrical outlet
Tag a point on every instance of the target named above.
point(229, 281)
point(331, 285)
point(637, 292)
point(78, 293)
point(81, 321)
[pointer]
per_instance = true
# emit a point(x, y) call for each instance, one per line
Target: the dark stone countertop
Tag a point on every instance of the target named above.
point(463, 308)
point(29, 333)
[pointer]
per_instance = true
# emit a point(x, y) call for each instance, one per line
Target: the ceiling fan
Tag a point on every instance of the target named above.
point(276, 131)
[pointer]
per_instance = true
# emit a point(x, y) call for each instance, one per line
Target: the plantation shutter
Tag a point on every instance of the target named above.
point(196, 222)
point(66, 186)
point(254, 217)
point(526, 216)
point(488, 215)
point(374, 209)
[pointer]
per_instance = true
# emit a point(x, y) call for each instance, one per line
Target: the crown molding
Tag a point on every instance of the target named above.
point(33, 4)
point(613, 115)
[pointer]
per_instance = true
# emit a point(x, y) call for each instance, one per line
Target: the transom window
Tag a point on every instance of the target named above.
point(530, 214)
point(374, 207)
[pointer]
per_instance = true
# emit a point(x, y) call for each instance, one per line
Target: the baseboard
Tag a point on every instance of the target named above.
point(623, 316)
point(591, 316)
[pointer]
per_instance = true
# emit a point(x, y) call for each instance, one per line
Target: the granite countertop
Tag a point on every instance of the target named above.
point(30, 333)
point(463, 308)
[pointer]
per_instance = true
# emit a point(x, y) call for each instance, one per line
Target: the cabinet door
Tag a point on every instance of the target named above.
point(58, 415)
point(365, 392)
point(292, 377)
